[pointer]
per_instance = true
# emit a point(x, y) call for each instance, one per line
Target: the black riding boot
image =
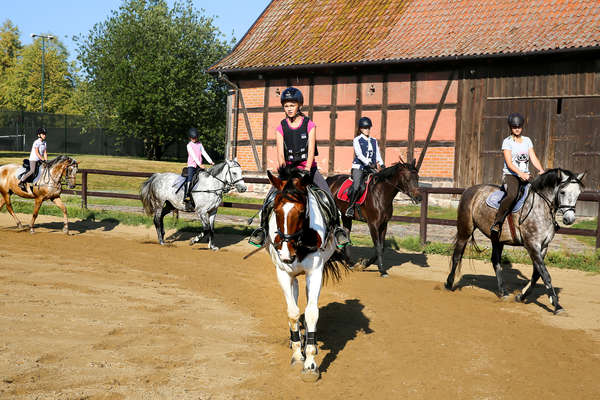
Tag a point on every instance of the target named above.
point(187, 199)
point(259, 235)
point(352, 200)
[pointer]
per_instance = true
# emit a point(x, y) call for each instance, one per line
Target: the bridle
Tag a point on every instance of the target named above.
point(58, 182)
point(554, 209)
point(228, 184)
point(287, 237)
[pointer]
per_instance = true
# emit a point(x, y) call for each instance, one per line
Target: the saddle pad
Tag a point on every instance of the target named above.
point(494, 199)
point(342, 193)
point(20, 171)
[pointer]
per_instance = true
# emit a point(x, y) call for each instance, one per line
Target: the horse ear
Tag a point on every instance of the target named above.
point(580, 176)
point(562, 176)
point(275, 181)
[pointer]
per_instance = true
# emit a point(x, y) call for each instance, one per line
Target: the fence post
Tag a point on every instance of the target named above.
point(84, 189)
point(598, 227)
point(423, 219)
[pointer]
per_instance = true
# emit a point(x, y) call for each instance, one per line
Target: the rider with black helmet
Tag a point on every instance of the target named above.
point(366, 158)
point(38, 154)
point(296, 144)
point(518, 152)
point(195, 152)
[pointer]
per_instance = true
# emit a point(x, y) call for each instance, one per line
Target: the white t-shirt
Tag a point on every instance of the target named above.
point(519, 154)
point(41, 146)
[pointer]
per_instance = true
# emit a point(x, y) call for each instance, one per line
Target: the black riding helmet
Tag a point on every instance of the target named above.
point(292, 94)
point(515, 120)
point(365, 122)
point(193, 133)
point(42, 130)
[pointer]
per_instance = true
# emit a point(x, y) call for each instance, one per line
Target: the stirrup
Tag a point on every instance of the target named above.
point(495, 228)
point(256, 236)
point(340, 244)
point(350, 211)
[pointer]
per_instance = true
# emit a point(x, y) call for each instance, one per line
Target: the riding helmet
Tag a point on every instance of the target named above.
point(365, 122)
point(292, 94)
point(515, 120)
point(193, 133)
point(42, 130)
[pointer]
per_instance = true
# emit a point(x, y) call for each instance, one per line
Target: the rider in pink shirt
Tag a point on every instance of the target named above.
point(195, 152)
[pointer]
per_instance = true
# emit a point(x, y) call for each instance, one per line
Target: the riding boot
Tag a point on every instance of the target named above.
point(187, 200)
point(350, 210)
point(259, 235)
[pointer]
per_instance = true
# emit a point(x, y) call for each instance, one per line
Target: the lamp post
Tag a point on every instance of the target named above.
point(44, 37)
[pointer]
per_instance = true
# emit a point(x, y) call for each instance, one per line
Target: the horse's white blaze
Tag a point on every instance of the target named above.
point(284, 253)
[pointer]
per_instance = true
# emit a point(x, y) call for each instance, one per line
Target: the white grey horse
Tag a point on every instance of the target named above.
point(160, 195)
point(554, 191)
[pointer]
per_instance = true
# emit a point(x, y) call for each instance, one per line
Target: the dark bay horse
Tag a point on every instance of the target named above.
point(378, 207)
point(48, 186)
point(299, 244)
point(554, 191)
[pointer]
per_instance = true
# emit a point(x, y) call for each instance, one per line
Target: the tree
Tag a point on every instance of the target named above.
point(20, 85)
point(146, 72)
point(10, 45)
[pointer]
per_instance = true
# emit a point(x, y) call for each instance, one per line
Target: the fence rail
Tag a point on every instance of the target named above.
point(423, 220)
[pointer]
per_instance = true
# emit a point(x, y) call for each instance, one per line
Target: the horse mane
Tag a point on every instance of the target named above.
point(57, 160)
point(288, 173)
point(392, 170)
point(217, 169)
point(551, 178)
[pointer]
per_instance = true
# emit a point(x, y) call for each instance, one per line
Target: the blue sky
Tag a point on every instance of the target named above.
point(67, 18)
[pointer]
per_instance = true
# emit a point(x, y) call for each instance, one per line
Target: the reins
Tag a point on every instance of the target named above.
point(551, 204)
point(227, 185)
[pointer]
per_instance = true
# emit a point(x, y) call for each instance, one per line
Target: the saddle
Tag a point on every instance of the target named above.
point(494, 199)
point(26, 167)
point(344, 195)
point(184, 173)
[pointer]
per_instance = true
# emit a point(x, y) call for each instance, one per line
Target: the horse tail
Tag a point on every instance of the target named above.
point(150, 199)
point(338, 265)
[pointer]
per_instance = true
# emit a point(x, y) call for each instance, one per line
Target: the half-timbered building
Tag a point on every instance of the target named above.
point(437, 77)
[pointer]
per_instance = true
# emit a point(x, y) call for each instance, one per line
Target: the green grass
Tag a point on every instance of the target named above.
point(587, 224)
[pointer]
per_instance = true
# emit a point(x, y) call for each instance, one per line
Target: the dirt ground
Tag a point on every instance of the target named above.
point(107, 313)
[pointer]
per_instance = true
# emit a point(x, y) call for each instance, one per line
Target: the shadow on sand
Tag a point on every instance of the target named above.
point(514, 281)
point(338, 324)
point(82, 226)
point(224, 235)
point(391, 258)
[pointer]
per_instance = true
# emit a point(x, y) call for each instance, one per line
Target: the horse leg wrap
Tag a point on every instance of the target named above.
point(311, 338)
point(294, 336)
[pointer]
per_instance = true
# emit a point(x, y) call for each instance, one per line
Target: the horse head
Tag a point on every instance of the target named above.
point(72, 168)
point(567, 192)
point(404, 176)
point(290, 210)
point(235, 176)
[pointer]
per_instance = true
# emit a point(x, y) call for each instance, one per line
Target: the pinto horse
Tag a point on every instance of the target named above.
point(378, 206)
point(299, 243)
point(554, 191)
point(47, 187)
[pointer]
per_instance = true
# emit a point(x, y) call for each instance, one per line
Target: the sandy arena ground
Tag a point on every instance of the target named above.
point(107, 313)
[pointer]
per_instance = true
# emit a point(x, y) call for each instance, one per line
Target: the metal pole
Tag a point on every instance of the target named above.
point(43, 53)
point(423, 219)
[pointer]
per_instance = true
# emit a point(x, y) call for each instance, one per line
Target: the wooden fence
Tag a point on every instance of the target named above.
point(423, 220)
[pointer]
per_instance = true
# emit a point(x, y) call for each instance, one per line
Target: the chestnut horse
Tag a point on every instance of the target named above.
point(299, 243)
point(47, 186)
point(378, 206)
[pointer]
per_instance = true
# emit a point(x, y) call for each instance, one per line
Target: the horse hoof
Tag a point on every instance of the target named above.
point(310, 374)
point(448, 287)
point(560, 311)
point(519, 298)
point(193, 241)
point(31, 231)
point(384, 275)
point(19, 226)
point(214, 248)
point(505, 297)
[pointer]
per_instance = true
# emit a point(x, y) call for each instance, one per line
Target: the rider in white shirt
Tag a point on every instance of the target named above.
point(38, 154)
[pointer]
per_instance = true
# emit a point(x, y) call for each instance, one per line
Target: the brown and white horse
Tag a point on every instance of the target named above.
point(47, 187)
point(299, 243)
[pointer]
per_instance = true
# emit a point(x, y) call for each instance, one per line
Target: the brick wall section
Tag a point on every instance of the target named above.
point(439, 161)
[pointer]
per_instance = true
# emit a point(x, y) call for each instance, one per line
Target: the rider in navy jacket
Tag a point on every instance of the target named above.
point(366, 158)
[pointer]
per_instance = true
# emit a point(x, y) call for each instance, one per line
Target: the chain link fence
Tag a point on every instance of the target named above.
point(67, 135)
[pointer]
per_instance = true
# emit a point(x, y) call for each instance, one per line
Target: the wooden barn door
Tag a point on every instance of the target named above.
point(576, 138)
point(494, 129)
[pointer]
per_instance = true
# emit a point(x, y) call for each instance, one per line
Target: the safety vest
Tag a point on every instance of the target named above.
point(295, 141)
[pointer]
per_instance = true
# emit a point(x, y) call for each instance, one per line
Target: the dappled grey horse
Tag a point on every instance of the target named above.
point(554, 191)
point(160, 195)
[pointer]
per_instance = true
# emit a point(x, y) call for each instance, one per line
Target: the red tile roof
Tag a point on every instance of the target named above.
point(300, 32)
